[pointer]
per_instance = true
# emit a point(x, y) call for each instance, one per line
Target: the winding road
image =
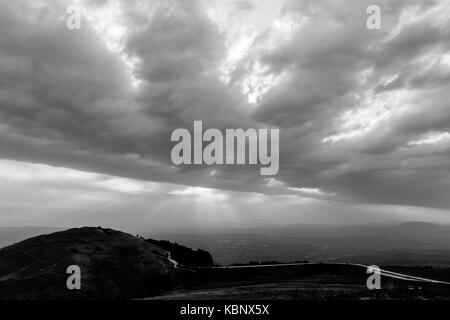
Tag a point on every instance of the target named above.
point(385, 273)
point(175, 264)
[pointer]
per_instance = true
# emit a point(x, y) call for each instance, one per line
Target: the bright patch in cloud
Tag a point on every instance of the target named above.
point(356, 123)
point(258, 82)
point(315, 191)
point(108, 22)
point(202, 194)
point(432, 138)
point(39, 174)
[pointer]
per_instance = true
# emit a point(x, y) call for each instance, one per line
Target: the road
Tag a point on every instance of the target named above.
point(385, 273)
point(175, 264)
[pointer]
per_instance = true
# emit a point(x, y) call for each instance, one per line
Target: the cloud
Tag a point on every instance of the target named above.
point(36, 194)
point(364, 114)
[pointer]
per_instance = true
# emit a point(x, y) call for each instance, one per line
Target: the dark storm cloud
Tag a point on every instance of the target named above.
point(349, 102)
point(57, 84)
point(326, 59)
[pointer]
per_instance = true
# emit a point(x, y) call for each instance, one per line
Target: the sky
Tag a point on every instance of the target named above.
point(86, 115)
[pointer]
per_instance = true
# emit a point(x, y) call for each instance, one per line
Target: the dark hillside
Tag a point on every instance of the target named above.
point(113, 265)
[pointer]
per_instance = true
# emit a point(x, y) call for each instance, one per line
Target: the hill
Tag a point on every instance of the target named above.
point(113, 265)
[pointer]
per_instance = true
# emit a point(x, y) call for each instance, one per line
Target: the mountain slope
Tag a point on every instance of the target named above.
point(113, 265)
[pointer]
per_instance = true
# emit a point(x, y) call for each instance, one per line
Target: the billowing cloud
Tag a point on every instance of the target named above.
point(363, 114)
